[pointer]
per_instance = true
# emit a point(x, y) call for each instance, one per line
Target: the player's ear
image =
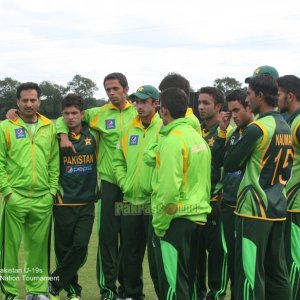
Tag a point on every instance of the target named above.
point(290, 97)
point(155, 103)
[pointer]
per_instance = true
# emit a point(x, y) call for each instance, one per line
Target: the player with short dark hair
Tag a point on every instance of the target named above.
point(239, 111)
point(109, 120)
point(212, 250)
point(265, 152)
point(289, 101)
point(180, 199)
point(175, 80)
point(74, 207)
point(29, 169)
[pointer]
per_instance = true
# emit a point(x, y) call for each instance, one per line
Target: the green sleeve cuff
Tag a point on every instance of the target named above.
point(59, 131)
point(53, 191)
point(159, 233)
point(7, 191)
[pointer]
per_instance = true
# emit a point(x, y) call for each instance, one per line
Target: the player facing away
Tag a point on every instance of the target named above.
point(265, 152)
point(180, 199)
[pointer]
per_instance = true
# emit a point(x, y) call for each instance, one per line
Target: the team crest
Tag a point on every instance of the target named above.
point(134, 140)
point(110, 124)
point(211, 141)
point(20, 133)
point(88, 141)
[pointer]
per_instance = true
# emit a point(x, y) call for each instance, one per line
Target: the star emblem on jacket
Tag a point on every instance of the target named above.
point(88, 141)
point(211, 141)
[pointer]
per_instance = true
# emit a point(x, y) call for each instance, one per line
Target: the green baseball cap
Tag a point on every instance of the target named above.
point(267, 70)
point(145, 92)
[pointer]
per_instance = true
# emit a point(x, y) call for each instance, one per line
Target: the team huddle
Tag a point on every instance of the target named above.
point(213, 202)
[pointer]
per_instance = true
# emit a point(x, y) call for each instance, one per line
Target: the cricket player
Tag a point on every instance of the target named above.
point(265, 152)
point(74, 208)
point(180, 199)
point(239, 111)
point(212, 249)
point(29, 170)
point(289, 102)
point(134, 177)
point(109, 120)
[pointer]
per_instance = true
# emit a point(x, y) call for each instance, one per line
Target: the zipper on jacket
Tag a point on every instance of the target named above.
point(135, 186)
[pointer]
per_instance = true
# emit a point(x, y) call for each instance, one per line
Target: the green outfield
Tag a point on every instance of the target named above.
point(87, 275)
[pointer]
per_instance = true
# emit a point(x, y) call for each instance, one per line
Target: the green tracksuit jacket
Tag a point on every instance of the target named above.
point(133, 175)
point(182, 183)
point(265, 151)
point(109, 121)
point(28, 166)
point(192, 120)
point(293, 185)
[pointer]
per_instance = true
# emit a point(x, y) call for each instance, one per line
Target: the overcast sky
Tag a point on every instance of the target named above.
point(202, 40)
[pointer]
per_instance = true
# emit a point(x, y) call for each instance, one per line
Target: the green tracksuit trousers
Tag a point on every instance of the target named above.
point(109, 248)
point(31, 218)
point(213, 252)
point(260, 265)
point(136, 234)
point(292, 251)
point(175, 255)
point(228, 223)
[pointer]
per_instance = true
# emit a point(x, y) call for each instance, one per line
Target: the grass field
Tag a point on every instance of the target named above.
point(87, 275)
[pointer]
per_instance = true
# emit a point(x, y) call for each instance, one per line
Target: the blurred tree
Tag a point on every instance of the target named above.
point(8, 88)
point(52, 95)
point(82, 86)
point(227, 84)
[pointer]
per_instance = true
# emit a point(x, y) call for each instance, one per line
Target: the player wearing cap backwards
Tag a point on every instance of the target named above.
point(109, 120)
point(180, 199)
point(134, 178)
point(242, 116)
point(265, 152)
point(289, 101)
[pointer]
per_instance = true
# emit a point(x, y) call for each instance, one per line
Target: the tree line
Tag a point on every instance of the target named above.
point(52, 93)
